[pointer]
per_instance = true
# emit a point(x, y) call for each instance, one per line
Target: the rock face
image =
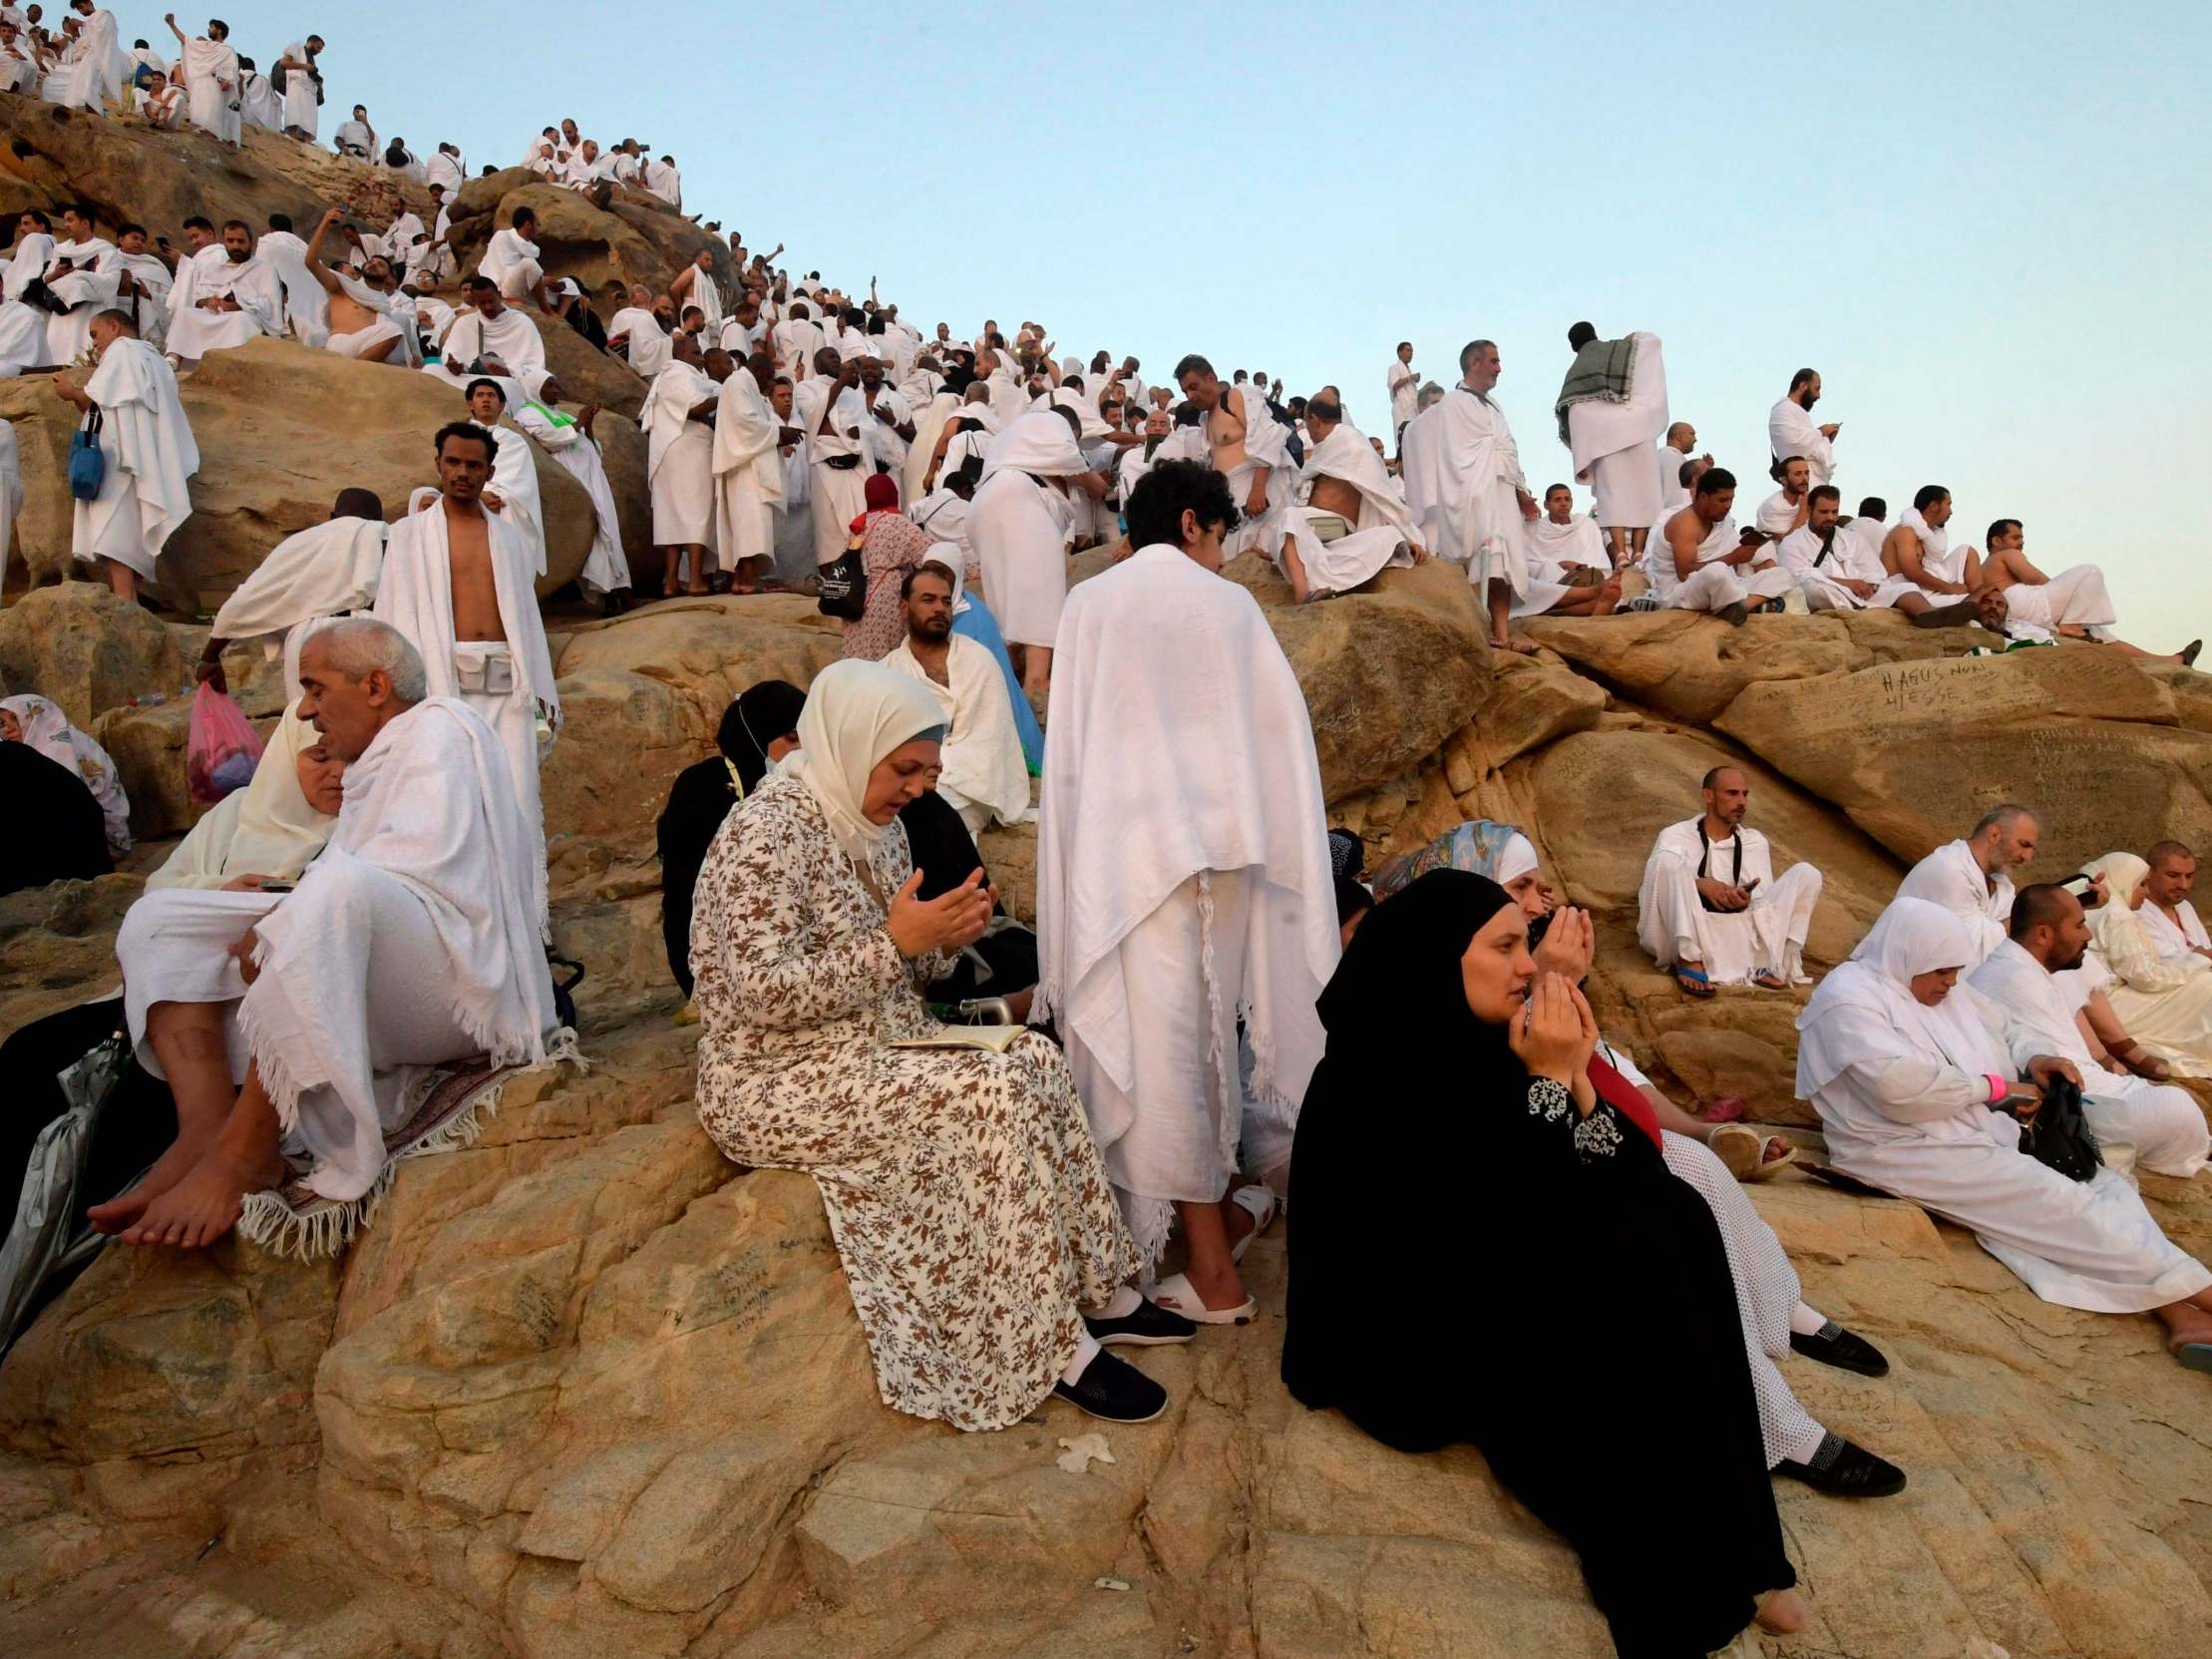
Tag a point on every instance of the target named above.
point(635, 238)
point(282, 429)
point(584, 1388)
point(87, 649)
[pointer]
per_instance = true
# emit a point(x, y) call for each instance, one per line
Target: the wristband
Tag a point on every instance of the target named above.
point(1998, 1087)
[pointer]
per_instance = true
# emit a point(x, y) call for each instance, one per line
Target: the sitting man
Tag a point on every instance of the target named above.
point(1834, 568)
point(1698, 562)
point(223, 300)
point(493, 338)
point(1973, 878)
point(984, 776)
point(2033, 979)
point(2170, 920)
point(2069, 605)
point(1355, 509)
point(1570, 573)
point(1929, 580)
point(360, 324)
point(1903, 1064)
point(1710, 906)
point(412, 940)
point(1785, 510)
point(511, 262)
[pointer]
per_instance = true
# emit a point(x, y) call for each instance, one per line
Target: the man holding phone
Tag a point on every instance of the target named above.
point(1710, 906)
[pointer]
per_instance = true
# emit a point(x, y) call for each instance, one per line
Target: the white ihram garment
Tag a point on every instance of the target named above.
point(748, 471)
point(2160, 1122)
point(147, 444)
point(511, 260)
point(1983, 905)
point(326, 570)
point(1711, 584)
point(606, 569)
point(2073, 597)
point(193, 332)
point(1462, 471)
point(1182, 875)
point(1731, 946)
point(1936, 557)
point(1817, 569)
point(985, 776)
point(2172, 936)
point(1792, 431)
point(1611, 443)
point(1903, 1094)
point(1379, 535)
point(648, 347)
point(679, 457)
point(1019, 527)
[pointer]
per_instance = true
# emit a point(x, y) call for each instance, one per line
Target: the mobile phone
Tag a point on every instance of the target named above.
point(277, 886)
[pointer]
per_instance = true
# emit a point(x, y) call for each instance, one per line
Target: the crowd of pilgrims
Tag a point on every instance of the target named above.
point(1045, 1149)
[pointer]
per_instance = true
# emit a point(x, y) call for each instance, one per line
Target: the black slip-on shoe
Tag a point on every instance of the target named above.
point(1114, 1391)
point(1148, 1325)
point(1734, 613)
point(1832, 1345)
point(1839, 1469)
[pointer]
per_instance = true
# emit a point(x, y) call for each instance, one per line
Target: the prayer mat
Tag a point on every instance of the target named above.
point(444, 1110)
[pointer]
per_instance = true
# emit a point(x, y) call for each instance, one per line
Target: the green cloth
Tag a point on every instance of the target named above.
point(552, 414)
point(1604, 371)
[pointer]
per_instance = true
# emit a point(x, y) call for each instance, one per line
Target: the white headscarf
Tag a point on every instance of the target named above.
point(1866, 1011)
point(47, 729)
point(265, 829)
point(2122, 873)
point(1515, 859)
point(856, 714)
point(1040, 441)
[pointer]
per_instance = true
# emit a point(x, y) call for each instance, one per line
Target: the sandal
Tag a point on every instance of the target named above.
point(1768, 980)
point(1259, 1203)
point(2194, 1356)
point(1179, 1296)
point(1770, 1166)
point(1739, 1150)
point(1694, 982)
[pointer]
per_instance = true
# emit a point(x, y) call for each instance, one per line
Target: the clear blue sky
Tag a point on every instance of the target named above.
point(1985, 224)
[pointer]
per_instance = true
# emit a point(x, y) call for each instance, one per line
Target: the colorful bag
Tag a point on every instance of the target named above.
point(221, 748)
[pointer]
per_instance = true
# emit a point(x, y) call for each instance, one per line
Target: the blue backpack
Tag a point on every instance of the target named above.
point(87, 468)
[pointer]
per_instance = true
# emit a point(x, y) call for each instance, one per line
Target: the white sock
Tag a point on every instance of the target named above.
point(1806, 1322)
point(1086, 1350)
point(1120, 1305)
point(1802, 1449)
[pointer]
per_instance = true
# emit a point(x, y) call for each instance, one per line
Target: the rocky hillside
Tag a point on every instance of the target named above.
point(584, 1388)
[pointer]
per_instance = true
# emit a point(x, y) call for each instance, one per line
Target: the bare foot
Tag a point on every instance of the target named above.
point(1519, 647)
point(1783, 1612)
point(170, 1168)
point(206, 1204)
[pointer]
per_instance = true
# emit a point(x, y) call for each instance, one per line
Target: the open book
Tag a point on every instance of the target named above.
point(998, 1038)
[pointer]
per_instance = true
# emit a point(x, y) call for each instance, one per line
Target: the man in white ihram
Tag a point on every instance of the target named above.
point(2170, 920)
point(280, 1019)
point(1612, 408)
point(985, 777)
point(1790, 430)
point(222, 299)
point(1710, 907)
point(2031, 978)
point(1972, 878)
point(1463, 482)
point(146, 452)
point(748, 473)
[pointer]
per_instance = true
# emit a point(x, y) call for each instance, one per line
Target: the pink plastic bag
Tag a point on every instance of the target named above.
point(222, 750)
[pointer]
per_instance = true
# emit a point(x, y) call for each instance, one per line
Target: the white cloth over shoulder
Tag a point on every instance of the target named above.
point(1019, 527)
point(1611, 443)
point(323, 571)
point(1981, 902)
point(679, 456)
point(1179, 761)
point(212, 273)
point(1732, 947)
point(984, 776)
point(147, 446)
point(1384, 527)
point(427, 884)
point(2178, 934)
point(748, 471)
point(1792, 431)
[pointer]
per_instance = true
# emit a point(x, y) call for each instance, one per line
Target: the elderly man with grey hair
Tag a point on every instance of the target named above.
point(283, 1020)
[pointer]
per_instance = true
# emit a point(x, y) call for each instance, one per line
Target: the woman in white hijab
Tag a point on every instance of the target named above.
point(269, 830)
point(37, 721)
point(1904, 1064)
point(967, 1202)
point(2164, 1004)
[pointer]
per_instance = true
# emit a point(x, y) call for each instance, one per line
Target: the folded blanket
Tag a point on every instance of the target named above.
point(1604, 371)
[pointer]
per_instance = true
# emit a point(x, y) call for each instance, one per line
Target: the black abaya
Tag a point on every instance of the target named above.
point(56, 831)
point(1579, 1277)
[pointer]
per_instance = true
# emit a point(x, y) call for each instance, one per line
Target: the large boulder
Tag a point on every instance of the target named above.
point(635, 238)
point(126, 170)
point(281, 429)
point(87, 649)
point(588, 374)
point(1914, 752)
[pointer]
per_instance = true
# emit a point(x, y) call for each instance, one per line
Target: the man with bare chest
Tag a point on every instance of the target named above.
point(458, 582)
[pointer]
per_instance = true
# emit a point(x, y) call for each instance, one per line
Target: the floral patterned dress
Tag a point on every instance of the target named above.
point(891, 545)
point(962, 1187)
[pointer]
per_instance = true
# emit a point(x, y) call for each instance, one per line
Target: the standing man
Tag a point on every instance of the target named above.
point(695, 285)
point(147, 446)
point(1790, 430)
point(1463, 482)
point(457, 583)
point(212, 78)
point(840, 449)
point(1710, 907)
point(1676, 451)
point(1611, 407)
point(573, 447)
point(677, 419)
point(1404, 387)
point(748, 473)
point(1157, 930)
point(301, 83)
